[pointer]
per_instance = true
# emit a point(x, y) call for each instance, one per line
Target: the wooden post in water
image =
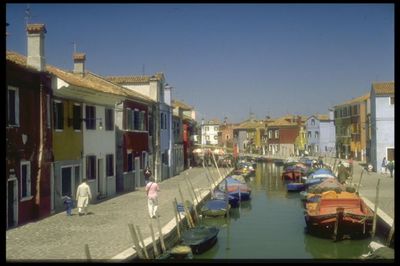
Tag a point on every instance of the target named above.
point(359, 182)
point(179, 214)
point(87, 252)
point(216, 165)
point(227, 199)
point(375, 208)
point(161, 235)
point(391, 232)
point(141, 241)
point(187, 212)
point(337, 233)
point(192, 198)
point(136, 241)
point(194, 192)
point(156, 253)
point(176, 220)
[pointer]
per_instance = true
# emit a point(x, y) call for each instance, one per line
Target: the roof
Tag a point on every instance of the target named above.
point(355, 100)
point(383, 88)
point(251, 124)
point(320, 117)
point(134, 79)
point(180, 104)
point(89, 81)
point(287, 120)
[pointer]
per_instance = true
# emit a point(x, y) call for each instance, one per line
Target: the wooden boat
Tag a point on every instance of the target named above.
point(314, 192)
point(339, 215)
point(200, 238)
point(318, 176)
point(215, 208)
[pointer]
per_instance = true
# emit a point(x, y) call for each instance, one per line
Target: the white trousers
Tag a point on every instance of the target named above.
point(152, 204)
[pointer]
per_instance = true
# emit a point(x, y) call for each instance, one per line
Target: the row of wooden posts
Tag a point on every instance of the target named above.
point(135, 230)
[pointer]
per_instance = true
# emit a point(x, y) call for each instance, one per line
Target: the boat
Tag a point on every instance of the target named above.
point(215, 208)
point(314, 192)
point(378, 251)
point(236, 188)
point(339, 216)
point(295, 186)
point(221, 195)
point(200, 238)
point(318, 176)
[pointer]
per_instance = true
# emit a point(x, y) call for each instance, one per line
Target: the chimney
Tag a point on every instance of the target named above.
point(79, 63)
point(36, 46)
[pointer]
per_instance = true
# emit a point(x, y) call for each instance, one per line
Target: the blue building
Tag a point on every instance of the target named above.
point(321, 134)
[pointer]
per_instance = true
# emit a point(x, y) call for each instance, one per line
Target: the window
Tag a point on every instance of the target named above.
point(142, 122)
point(207, 137)
point(309, 134)
point(90, 117)
point(109, 116)
point(392, 100)
point(110, 165)
point(166, 121)
point(165, 158)
point(206, 128)
point(13, 106)
point(136, 119)
point(128, 119)
point(130, 162)
point(270, 134)
point(91, 167)
point(312, 122)
point(162, 121)
point(277, 133)
point(316, 134)
point(215, 128)
point(25, 179)
point(58, 115)
point(215, 137)
point(77, 116)
point(150, 124)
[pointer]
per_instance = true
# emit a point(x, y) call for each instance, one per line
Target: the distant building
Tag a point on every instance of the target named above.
point(320, 132)
point(209, 132)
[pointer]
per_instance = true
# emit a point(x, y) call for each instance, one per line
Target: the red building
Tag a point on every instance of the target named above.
point(28, 139)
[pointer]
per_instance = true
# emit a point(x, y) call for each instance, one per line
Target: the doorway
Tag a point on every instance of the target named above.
point(12, 202)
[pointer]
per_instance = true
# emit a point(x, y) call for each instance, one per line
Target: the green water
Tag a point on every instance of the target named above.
point(271, 226)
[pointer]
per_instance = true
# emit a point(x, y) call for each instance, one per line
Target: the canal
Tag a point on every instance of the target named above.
point(271, 226)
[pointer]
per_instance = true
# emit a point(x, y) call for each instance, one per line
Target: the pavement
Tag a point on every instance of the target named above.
point(105, 229)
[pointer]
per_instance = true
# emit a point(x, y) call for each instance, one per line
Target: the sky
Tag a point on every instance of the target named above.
point(225, 60)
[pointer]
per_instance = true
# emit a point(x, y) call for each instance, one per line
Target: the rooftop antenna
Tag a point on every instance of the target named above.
point(143, 69)
point(28, 15)
point(74, 43)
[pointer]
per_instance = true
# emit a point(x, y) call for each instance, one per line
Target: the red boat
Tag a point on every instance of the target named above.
point(346, 216)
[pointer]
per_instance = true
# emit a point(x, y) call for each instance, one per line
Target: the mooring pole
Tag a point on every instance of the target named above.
point(375, 208)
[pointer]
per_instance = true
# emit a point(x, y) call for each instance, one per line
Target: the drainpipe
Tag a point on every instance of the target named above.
point(40, 157)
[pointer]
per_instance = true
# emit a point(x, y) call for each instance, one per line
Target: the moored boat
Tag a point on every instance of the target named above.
point(215, 207)
point(200, 238)
point(339, 215)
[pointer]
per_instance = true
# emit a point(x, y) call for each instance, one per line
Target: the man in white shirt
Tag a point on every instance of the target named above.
point(83, 196)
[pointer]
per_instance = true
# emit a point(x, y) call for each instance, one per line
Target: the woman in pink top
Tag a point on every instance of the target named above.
point(152, 197)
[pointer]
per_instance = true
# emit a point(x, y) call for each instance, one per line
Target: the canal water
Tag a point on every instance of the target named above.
point(271, 226)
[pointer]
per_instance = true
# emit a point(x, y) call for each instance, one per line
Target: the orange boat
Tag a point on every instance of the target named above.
point(339, 216)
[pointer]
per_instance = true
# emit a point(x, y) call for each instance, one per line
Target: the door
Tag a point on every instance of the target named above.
point(137, 172)
point(66, 182)
point(12, 207)
point(100, 178)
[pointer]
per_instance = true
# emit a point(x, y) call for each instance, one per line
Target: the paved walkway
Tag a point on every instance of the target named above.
point(105, 229)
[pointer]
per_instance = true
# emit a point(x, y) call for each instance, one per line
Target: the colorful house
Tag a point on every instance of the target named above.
point(320, 133)
point(28, 133)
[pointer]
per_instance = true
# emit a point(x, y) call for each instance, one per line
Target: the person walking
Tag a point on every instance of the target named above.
point(384, 165)
point(83, 196)
point(390, 167)
point(152, 190)
point(147, 174)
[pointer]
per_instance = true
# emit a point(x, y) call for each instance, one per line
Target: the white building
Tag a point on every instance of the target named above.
point(382, 123)
point(209, 132)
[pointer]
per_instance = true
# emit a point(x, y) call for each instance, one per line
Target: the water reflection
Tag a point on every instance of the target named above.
point(271, 226)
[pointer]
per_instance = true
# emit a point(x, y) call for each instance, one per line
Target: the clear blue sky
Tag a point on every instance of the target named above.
point(226, 59)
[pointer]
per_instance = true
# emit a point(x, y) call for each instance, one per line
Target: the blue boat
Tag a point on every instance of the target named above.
point(318, 176)
point(295, 186)
point(221, 195)
point(215, 208)
point(236, 188)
